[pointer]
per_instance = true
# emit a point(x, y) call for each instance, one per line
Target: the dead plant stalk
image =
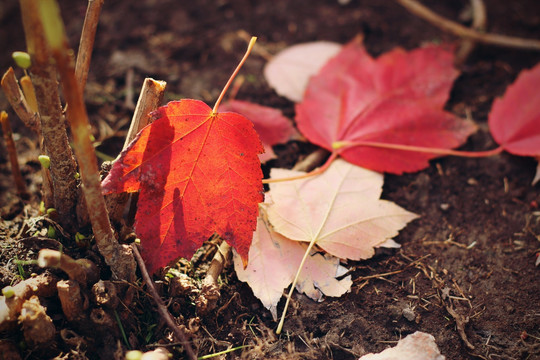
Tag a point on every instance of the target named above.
point(63, 167)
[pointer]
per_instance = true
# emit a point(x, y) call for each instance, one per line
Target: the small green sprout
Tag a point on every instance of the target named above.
point(134, 355)
point(22, 59)
point(51, 232)
point(8, 292)
point(45, 161)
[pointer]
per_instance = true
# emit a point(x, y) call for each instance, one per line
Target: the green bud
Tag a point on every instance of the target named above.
point(77, 175)
point(134, 355)
point(51, 211)
point(42, 208)
point(22, 59)
point(92, 138)
point(51, 232)
point(45, 161)
point(8, 292)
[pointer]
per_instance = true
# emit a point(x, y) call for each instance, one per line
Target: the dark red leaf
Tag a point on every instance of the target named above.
point(273, 128)
point(514, 120)
point(397, 98)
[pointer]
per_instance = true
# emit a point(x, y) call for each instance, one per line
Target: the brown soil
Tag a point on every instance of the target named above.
point(472, 250)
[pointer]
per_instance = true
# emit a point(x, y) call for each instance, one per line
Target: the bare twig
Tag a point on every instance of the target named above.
point(119, 261)
point(461, 321)
point(13, 158)
point(29, 92)
point(479, 23)
point(311, 161)
point(31, 119)
point(150, 99)
point(493, 39)
point(63, 167)
point(87, 41)
point(18, 101)
point(179, 334)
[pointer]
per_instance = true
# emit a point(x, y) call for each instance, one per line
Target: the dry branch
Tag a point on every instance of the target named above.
point(479, 23)
point(150, 99)
point(162, 309)
point(120, 261)
point(18, 102)
point(13, 158)
point(425, 13)
point(63, 167)
point(87, 41)
point(31, 119)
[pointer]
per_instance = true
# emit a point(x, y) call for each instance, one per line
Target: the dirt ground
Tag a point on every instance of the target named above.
point(465, 272)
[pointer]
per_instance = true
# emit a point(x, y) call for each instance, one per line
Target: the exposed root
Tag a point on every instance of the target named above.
point(37, 326)
point(10, 306)
point(210, 295)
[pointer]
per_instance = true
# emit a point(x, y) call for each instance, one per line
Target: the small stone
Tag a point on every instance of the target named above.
point(409, 314)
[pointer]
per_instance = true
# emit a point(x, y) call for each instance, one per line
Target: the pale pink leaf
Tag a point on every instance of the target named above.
point(339, 210)
point(273, 262)
point(289, 71)
point(416, 346)
point(271, 125)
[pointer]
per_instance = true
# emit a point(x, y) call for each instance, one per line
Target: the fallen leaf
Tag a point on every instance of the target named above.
point(273, 128)
point(288, 72)
point(274, 261)
point(397, 98)
point(339, 210)
point(198, 174)
point(514, 120)
point(416, 346)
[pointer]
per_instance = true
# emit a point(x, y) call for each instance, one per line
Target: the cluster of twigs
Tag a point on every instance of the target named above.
point(71, 184)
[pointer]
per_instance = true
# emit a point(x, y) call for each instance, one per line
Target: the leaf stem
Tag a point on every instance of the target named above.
point(343, 145)
point(293, 286)
point(317, 171)
point(231, 79)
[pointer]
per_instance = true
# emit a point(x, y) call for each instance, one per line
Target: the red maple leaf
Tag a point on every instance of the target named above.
point(198, 174)
point(514, 120)
point(357, 102)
